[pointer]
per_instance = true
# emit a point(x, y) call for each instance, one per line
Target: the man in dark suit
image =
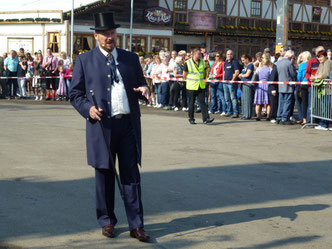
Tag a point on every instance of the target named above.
point(117, 80)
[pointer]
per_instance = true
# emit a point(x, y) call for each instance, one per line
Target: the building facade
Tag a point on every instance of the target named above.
point(247, 26)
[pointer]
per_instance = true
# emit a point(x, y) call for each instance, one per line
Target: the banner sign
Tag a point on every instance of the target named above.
point(202, 21)
point(158, 15)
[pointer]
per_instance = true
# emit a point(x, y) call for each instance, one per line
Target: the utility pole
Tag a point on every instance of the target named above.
point(131, 25)
point(72, 31)
point(282, 24)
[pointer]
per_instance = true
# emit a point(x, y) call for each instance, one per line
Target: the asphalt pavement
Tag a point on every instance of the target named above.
point(229, 185)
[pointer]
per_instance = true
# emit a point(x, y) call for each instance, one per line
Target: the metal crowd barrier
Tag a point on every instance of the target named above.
point(321, 103)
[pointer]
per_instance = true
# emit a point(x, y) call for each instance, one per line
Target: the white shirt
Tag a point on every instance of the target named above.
point(119, 99)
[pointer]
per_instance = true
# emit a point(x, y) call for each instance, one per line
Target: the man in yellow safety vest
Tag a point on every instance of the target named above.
point(194, 71)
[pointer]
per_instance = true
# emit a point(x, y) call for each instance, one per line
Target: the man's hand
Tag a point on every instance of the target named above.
point(95, 114)
point(145, 92)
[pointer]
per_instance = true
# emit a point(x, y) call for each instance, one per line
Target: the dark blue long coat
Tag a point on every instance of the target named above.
point(91, 73)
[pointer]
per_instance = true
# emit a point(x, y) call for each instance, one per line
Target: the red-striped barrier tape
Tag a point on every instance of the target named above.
point(327, 82)
point(38, 77)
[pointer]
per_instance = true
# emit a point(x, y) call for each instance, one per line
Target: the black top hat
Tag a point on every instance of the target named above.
point(104, 21)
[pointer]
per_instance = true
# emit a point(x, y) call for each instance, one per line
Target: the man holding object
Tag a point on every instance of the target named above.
point(116, 78)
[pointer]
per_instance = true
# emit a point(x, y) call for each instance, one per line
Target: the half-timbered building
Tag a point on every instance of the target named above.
point(247, 26)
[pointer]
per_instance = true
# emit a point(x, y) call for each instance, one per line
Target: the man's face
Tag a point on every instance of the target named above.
point(173, 55)
point(329, 54)
point(203, 50)
point(49, 52)
point(229, 55)
point(12, 54)
point(282, 52)
point(106, 39)
point(197, 54)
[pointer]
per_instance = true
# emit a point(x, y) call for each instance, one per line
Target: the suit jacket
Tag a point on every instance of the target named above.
point(91, 73)
point(286, 72)
point(273, 77)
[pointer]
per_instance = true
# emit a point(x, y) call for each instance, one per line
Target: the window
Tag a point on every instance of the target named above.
point(180, 4)
point(54, 42)
point(83, 43)
point(221, 6)
point(159, 43)
point(263, 24)
point(290, 12)
point(316, 13)
point(226, 21)
point(256, 7)
point(245, 22)
point(295, 26)
point(119, 41)
point(324, 28)
point(180, 17)
point(138, 44)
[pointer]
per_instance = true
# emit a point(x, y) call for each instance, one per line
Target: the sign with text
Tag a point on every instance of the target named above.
point(202, 21)
point(158, 15)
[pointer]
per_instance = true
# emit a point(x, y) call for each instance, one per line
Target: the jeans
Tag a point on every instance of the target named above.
point(230, 92)
point(21, 87)
point(68, 85)
point(158, 92)
point(221, 98)
point(309, 105)
point(284, 106)
point(11, 83)
point(214, 98)
point(298, 102)
point(164, 94)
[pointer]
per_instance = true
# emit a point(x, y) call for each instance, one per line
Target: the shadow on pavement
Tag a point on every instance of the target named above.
point(35, 207)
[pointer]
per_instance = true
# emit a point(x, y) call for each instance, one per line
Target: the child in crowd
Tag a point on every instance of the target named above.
point(62, 88)
point(68, 75)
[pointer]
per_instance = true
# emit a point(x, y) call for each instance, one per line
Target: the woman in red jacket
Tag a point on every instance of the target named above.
point(217, 92)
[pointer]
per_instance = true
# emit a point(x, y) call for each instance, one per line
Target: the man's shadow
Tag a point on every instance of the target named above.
point(202, 222)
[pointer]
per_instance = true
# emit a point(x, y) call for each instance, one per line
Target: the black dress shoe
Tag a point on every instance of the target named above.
point(140, 234)
point(208, 120)
point(286, 123)
point(192, 121)
point(108, 231)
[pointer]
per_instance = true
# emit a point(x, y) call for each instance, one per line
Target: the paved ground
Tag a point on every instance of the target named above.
point(234, 184)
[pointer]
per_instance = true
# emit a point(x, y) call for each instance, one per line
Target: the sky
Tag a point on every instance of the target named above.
point(64, 5)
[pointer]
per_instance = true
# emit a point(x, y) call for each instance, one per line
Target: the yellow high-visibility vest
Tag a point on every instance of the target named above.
point(195, 76)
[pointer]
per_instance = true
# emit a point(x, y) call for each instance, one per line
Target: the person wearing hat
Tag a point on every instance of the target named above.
point(116, 77)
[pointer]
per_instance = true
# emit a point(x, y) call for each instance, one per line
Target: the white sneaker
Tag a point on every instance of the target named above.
point(41, 97)
point(223, 114)
point(37, 97)
point(321, 128)
point(149, 105)
point(217, 112)
point(210, 112)
point(183, 109)
point(176, 109)
point(273, 121)
point(330, 129)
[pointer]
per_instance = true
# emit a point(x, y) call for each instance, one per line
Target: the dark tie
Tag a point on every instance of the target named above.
point(113, 67)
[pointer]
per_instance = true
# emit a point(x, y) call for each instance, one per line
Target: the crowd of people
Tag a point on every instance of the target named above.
point(33, 68)
point(270, 102)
